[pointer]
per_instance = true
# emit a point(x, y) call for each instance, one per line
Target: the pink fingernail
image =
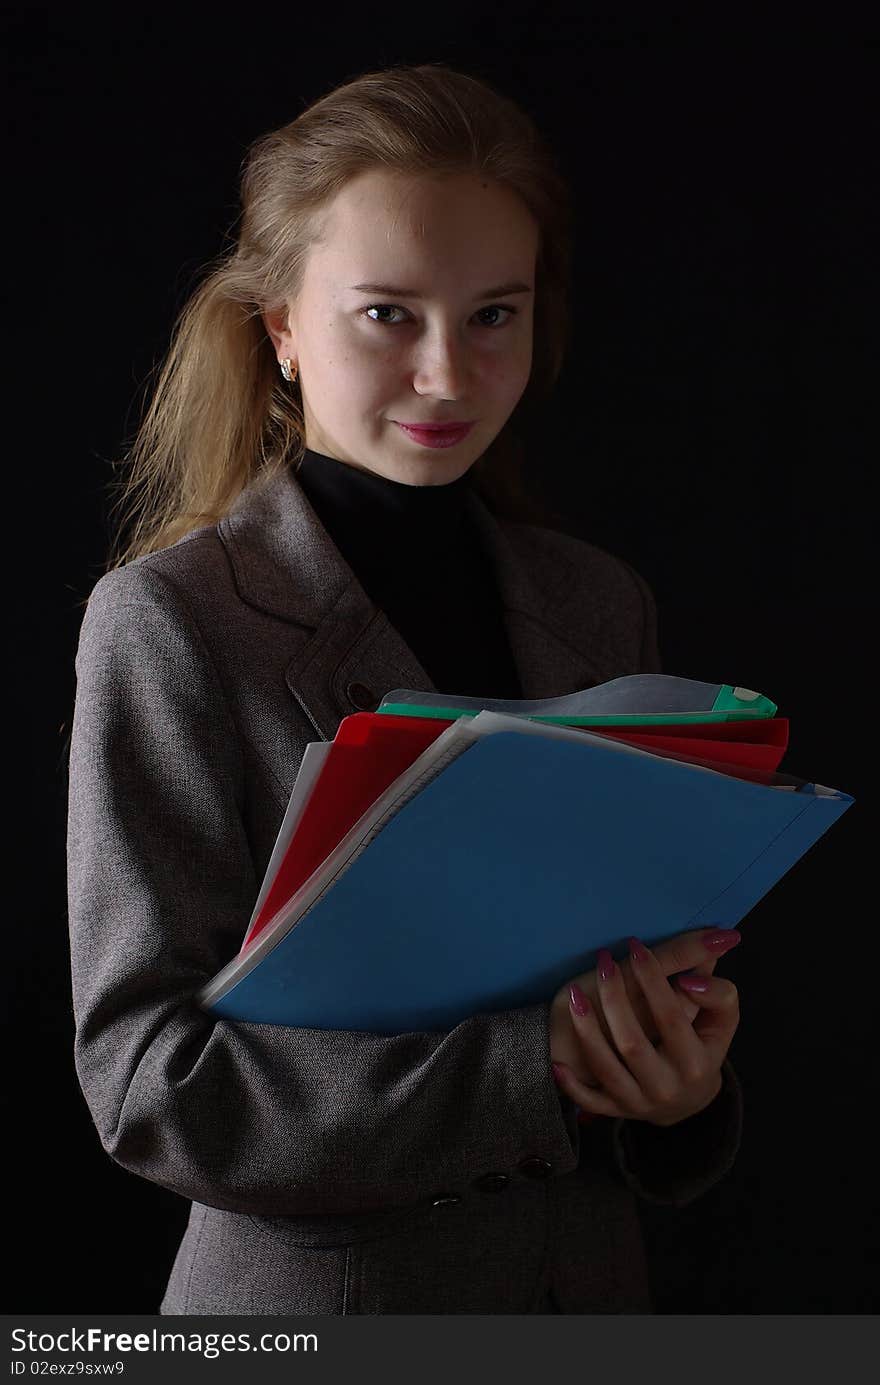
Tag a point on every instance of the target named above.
point(578, 1000)
point(694, 983)
point(722, 940)
point(606, 964)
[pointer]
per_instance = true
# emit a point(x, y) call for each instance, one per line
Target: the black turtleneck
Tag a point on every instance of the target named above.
point(417, 555)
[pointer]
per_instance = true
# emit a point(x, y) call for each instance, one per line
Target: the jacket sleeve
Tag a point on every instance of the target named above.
point(250, 1118)
point(675, 1164)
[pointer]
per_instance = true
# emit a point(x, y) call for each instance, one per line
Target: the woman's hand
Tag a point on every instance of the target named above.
point(685, 952)
point(661, 1084)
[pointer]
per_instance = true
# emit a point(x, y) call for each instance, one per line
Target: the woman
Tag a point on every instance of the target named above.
point(299, 548)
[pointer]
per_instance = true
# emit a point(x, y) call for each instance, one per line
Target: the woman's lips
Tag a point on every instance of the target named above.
point(436, 437)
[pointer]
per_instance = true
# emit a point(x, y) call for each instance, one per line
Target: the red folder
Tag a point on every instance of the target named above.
point(756, 744)
point(368, 753)
point(370, 750)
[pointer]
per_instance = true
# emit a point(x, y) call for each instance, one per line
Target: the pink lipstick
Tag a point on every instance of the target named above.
point(445, 435)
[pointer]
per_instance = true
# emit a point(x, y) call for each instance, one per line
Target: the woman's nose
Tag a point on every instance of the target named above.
point(442, 368)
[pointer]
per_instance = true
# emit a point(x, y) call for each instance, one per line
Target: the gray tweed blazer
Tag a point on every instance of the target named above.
point(329, 1171)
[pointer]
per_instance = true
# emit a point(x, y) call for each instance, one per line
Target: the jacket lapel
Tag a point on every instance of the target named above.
point(554, 653)
point(286, 564)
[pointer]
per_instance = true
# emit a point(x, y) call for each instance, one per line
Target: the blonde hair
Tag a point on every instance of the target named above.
point(221, 412)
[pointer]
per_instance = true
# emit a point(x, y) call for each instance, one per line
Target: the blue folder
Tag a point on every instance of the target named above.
point(504, 875)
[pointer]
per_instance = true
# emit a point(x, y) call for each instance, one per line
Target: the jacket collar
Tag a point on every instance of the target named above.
point(286, 565)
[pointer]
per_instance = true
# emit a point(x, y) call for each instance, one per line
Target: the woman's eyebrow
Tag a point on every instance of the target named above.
point(395, 292)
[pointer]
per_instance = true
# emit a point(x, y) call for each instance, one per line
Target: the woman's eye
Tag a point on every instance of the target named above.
point(380, 308)
point(499, 308)
point(393, 308)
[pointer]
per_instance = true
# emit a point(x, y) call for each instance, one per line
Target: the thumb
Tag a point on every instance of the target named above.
point(718, 1017)
point(689, 1005)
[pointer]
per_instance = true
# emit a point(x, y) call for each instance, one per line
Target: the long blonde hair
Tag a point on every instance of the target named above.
point(220, 411)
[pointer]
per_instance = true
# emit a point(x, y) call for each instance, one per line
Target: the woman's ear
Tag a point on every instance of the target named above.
point(276, 324)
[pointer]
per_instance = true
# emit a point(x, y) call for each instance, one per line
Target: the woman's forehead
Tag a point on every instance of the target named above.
point(379, 217)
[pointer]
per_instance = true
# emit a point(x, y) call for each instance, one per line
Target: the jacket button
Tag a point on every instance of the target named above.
point(535, 1167)
point(446, 1200)
point(492, 1182)
point(362, 697)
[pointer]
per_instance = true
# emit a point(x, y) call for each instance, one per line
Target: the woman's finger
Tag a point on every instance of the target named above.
point(706, 968)
point(590, 1102)
point(684, 952)
point(630, 1066)
point(690, 1008)
point(648, 1059)
point(679, 1040)
point(719, 1015)
point(589, 984)
point(615, 1086)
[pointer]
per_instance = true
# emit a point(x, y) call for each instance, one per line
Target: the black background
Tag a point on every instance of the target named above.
point(712, 426)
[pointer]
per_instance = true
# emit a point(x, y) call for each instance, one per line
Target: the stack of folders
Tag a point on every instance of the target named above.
point(446, 856)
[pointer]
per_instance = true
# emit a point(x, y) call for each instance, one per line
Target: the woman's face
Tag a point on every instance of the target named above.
point(439, 343)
